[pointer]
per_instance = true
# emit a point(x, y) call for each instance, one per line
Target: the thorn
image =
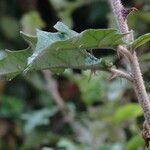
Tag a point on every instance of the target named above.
point(118, 54)
point(80, 46)
point(113, 76)
point(93, 71)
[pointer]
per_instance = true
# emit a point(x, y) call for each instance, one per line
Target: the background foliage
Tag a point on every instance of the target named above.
point(106, 113)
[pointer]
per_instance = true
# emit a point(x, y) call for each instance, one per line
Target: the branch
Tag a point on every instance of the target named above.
point(114, 72)
point(138, 82)
point(52, 88)
point(119, 73)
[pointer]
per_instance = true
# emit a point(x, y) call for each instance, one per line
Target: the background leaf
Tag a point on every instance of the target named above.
point(141, 40)
point(127, 111)
point(30, 21)
point(134, 143)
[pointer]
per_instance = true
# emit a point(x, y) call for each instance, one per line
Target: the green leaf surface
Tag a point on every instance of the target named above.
point(91, 86)
point(30, 21)
point(37, 118)
point(141, 40)
point(134, 143)
point(9, 27)
point(60, 50)
point(59, 26)
point(127, 111)
point(11, 107)
point(145, 57)
point(69, 145)
point(67, 48)
point(13, 62)
point(32, 40)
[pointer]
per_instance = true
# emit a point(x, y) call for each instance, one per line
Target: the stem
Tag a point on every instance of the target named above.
point(119, 73)
point(140, 87)
point(116, 72)
point(117, 8)
point(52, 88)
point(138, 82)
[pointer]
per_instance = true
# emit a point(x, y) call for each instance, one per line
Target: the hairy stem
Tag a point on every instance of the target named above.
point(140, 87)
point(138, 82)
point(117, 8)
point(119, 73)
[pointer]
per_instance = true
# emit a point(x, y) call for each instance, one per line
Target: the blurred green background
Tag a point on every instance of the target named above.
point(104, 115)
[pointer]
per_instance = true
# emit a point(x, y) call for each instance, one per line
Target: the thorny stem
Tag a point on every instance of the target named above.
point(138, 82)
point(118, 73)
point(114, 72)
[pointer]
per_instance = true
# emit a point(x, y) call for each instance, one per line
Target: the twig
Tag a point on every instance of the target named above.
point(138, 82)
point(52, 88)
point(117, 72)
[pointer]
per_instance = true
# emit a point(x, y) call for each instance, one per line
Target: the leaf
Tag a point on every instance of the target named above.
point(111, 146)
point(11, 107)
point(135, 143)
point(69, 145)
point(12, 31)
point(65, 9)
point(92, 88)
point(60, 50)
point(145, 57)
point(41, 137)
point(44, 39)
point(141, 40)
point(32, 40)
point(67, 48)
point(59, 26)
point(13, 62)
point(39, 117)
point(126, 112)
point(30, 21)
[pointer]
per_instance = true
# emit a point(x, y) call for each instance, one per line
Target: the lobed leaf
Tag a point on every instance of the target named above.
point(60, 50)
point(67, 48)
